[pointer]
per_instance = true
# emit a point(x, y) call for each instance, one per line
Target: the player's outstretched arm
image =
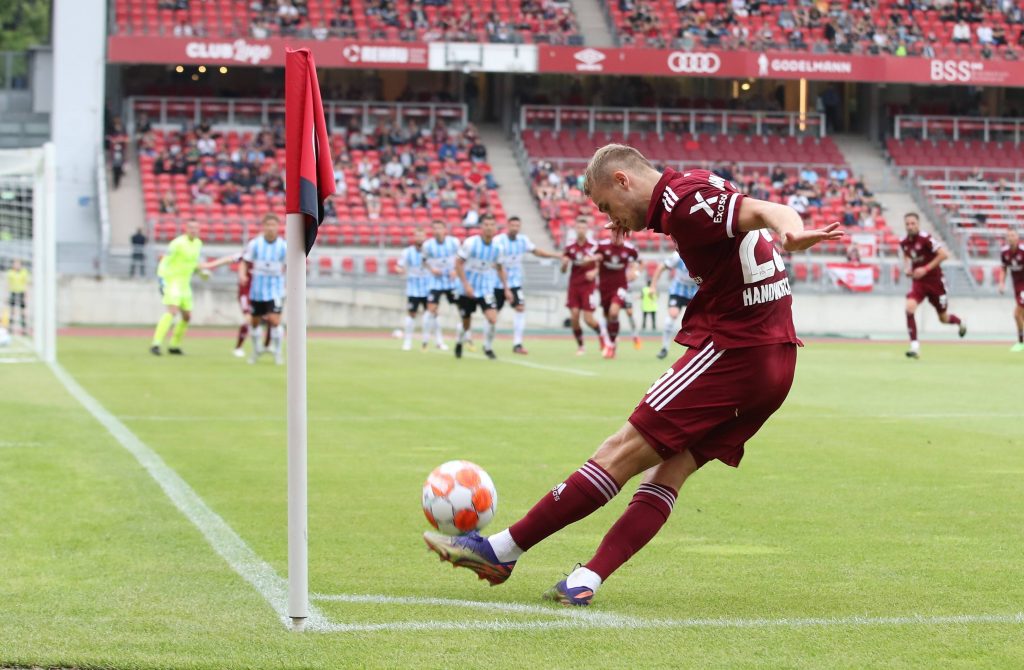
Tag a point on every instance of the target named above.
point(784, 221)
point(546, 253)
point(217, 262)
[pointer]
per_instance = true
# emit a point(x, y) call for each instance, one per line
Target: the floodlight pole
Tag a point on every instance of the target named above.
point(295, 311)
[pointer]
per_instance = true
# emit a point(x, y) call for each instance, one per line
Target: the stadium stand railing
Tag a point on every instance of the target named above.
point(968, 175)
point(559, 140)
point(247, 134)
point(511, 21)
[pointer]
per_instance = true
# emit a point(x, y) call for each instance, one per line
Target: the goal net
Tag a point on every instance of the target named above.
point(27, 255)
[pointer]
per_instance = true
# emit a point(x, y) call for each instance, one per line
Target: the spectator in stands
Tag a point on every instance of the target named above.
point(448, 150)
point(778, 177)
point(477, 152)
point(201, 172)
point(986, 37)
point(867, 220)
point(393, 169)
point(449, 199)
point(808, 177)
point(259, 28)
point(849, 217)
point(961, 33)
point(168, 204)
point(800, 203)
point(839, 173)
point(274, 186)
point(202, 192)
point(230, 195)
point(244, 179)
point(288, 17)
point(853, 253)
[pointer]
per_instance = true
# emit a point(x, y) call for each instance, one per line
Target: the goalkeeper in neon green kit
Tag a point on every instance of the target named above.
point(175, 272)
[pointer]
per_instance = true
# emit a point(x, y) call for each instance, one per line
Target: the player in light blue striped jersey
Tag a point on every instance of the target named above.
point(680, 293)
point(515, 245)
point(417, 287)
point(479, 268)
point(439, 255)
point(264, 264)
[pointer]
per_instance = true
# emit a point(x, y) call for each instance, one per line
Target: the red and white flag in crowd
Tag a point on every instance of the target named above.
point(852, 276)
point(310, 172)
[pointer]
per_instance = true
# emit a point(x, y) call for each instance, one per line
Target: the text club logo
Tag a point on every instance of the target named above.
point(239, 51)
point(589, 60)
point(954, 70)
point(694, 63)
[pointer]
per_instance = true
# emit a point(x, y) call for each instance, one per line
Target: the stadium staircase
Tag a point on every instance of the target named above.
point(867, 161)
point(593, 21)
point(126, 211)
point(516, 197)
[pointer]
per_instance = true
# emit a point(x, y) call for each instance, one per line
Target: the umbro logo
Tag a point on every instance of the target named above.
point(669, 199)
point(703, 204)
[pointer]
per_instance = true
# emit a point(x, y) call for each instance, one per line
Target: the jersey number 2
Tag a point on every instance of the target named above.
point(753, 271)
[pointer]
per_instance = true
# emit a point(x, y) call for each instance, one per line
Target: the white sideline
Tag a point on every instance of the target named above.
point(575, 618)
point(224, 540)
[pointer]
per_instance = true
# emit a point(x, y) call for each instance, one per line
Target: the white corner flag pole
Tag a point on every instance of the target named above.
point(295, 312)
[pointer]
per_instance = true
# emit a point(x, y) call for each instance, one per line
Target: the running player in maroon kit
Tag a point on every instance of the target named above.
point(618, 265)
point(581, 256)
point(736, 371)
point(922, 256)
point(1013, 264)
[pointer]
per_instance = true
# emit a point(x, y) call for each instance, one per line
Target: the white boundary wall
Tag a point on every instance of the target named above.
point(83, 300)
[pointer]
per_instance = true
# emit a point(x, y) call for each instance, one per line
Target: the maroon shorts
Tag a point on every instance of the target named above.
point(932, 289)
point(581, 296)
point(710, 402)
point(243, 303)
point(618, 297)
point(1018, 293)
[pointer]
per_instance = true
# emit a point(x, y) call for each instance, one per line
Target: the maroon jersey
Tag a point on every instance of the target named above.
point(1013, 262)
point(922, 249)
point(744, 298)
point(615, 260)
point(577, 253)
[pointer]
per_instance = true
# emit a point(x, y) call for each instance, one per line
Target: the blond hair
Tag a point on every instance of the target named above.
point(609, 157)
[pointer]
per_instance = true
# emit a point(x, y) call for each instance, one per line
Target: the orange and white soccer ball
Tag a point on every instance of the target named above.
point(459, 497)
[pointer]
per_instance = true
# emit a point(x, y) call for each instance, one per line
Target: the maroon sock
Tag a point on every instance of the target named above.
point(1020, 336)
point(954, 320)
point(582, 493)
point(243, 332)
point(266, 336)
point(578, 334)
point(912, 327)
point(613, 330)
point(646, 513)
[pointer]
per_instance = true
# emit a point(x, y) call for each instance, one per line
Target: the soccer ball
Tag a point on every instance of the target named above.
point(459, 497)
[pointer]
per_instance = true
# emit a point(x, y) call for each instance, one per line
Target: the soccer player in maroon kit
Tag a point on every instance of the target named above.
point(922, 255)
point(581, 256)
point(618, 265)
point(1013, 264)
point(736, 371)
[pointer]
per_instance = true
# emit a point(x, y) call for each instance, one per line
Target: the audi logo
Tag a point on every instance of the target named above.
point(694, 63)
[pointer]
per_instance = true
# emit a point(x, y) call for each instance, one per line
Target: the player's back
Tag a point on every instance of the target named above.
point(744, 298)
point(513, 251)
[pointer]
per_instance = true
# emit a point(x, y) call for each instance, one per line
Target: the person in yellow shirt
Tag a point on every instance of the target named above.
point(175, 272)
point(17, 284)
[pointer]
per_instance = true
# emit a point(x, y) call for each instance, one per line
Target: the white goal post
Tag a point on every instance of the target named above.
point(28, 235)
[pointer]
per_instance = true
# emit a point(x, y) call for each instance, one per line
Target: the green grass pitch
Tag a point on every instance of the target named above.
point(884, 490)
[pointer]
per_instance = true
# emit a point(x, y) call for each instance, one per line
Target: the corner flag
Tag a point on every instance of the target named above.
point(310, 172)
point(310, 179)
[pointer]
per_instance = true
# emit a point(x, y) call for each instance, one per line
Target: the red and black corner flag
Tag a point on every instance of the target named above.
point(310, 171)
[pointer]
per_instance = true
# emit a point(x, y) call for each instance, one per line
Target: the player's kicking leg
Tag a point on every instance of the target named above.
point(243, 330)
point(518, 322)
point(611, 315)
point(467, 306)
point(945, 316)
